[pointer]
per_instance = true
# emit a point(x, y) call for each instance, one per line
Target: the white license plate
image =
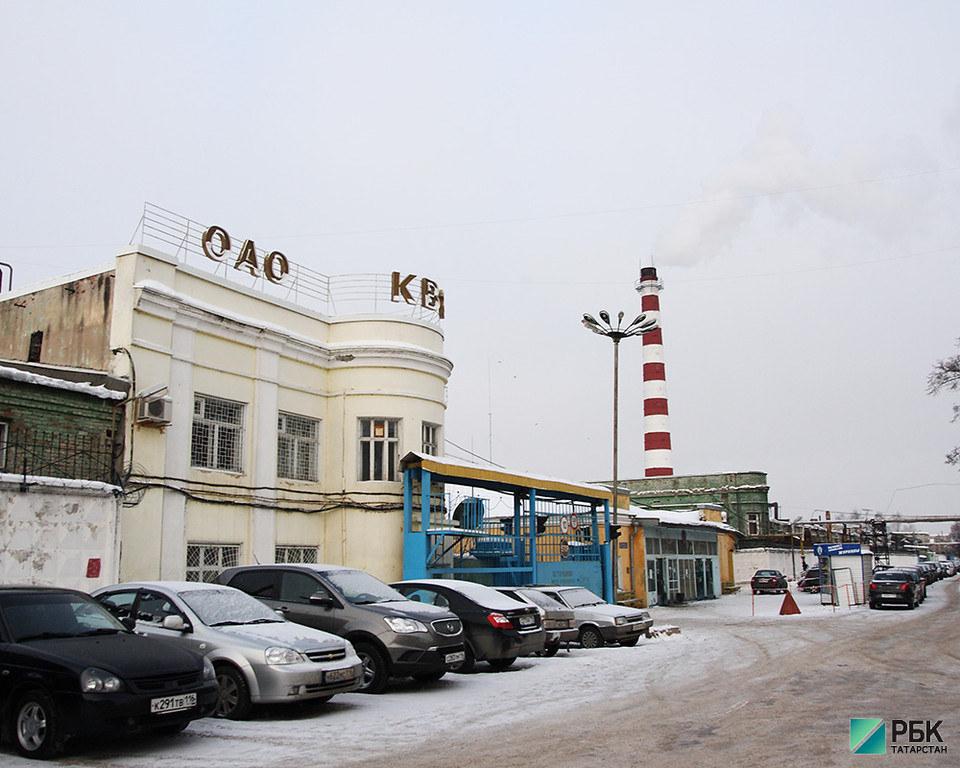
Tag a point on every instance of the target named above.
point(173, 703)
point(527, 621)
point(454, 658)
point(338, 675)
point(888, 594)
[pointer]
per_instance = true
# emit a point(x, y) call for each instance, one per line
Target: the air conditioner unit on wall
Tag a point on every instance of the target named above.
point(154, 410)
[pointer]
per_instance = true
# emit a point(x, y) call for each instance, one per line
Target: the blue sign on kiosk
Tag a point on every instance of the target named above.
point(827, 550)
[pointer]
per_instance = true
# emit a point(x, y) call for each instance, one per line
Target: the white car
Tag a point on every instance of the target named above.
point(599, 622)
point(259, 657)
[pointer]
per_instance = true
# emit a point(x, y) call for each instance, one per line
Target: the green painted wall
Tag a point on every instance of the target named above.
point(742, 495)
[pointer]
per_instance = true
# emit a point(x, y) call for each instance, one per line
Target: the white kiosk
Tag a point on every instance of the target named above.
point(845, 573)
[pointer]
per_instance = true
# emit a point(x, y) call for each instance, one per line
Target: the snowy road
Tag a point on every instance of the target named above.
point(732, 689)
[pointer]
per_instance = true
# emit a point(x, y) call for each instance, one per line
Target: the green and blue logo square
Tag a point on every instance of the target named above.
point(868, 736)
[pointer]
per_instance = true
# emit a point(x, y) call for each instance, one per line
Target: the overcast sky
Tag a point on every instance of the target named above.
point(792, 169)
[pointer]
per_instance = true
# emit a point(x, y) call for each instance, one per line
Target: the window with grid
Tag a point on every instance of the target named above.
point(379, 449)
point(298, 447)
point(431, 439)
point(296, 554)
point(217, 434)
point(205, 561)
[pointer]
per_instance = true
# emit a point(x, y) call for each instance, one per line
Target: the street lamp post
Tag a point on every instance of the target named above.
point(604, 327)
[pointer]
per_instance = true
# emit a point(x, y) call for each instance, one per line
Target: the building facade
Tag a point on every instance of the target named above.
point(59, 502)
point(742, 497)
point(260, 429)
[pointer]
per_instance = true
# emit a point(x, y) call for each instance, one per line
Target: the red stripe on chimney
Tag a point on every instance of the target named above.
point(656, 441)
point(658, 472)
point(654, 337)
point(650, 302)
point(655, 406)
point(654, 372)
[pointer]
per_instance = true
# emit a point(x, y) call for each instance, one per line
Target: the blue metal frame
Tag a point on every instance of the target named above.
point(506, 552)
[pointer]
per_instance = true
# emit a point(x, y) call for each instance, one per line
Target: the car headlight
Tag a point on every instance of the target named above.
point(209, 673)
point(283, 656)
point(93, 680)
point(404, 626)
point(620, 620)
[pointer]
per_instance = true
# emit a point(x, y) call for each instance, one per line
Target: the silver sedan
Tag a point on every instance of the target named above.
point(259, 657)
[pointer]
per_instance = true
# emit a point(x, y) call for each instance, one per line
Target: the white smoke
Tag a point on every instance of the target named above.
point(867, 185)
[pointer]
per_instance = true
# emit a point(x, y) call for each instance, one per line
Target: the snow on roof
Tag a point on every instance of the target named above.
point(465, 469)
point(685, 518)
point(15, 374)
point(60, 482)
point(242, 319)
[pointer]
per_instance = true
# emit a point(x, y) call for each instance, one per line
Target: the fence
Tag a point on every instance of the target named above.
point(76, 456)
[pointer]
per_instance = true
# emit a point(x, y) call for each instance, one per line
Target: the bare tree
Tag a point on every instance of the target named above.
point(946, 375)
point(955, 537)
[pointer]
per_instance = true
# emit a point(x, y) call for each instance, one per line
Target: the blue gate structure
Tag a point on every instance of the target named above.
point(555, 533)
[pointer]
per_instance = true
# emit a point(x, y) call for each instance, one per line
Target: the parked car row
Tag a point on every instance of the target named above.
point(153, 656)
point(907, 584)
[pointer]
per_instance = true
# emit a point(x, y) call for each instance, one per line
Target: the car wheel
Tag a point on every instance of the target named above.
point(374, 668)
point(590, 637)
point(501, 664)
point(430, 677)
point(37, 726)
point(233, 702)
point(469, 661)
point(550, 649)
point(873, 604)
point(630, 642)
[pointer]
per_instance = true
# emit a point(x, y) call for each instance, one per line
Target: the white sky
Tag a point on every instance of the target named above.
point(793, 170)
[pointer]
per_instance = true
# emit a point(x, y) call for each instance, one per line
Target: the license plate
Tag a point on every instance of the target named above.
point(337, 675)
point(173, 703)
point(527, 621)
point(454, 658)
point(887, 594)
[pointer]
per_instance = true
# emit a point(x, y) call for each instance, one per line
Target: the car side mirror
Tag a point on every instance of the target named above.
point(175, 623)
point(321, 598)
point(129, 622)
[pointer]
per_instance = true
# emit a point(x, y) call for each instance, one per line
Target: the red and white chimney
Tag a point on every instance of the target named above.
point(656, 422)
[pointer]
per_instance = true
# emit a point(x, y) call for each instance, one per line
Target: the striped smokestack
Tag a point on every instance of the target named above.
point(656, 422)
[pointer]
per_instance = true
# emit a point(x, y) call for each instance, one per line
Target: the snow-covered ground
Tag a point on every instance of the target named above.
point(718, 634)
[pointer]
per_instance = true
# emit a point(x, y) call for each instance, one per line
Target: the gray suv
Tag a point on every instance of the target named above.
point(393, 636)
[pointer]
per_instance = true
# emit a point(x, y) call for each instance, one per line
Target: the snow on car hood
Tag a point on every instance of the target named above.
point(284, 633)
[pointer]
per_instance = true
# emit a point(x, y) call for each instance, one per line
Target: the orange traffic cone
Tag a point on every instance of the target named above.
point(789, 607)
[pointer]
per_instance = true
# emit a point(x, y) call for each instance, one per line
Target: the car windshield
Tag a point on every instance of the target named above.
point(360, 588)
point(47, 615)
point(227, 607)
point(767, 573)
point(580, 597)
point(539, 598)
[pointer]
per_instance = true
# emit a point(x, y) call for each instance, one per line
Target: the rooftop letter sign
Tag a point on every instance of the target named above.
point(216, 244)
point(431, 297)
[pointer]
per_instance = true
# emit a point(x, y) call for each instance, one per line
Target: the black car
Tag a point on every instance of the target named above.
point(810, 581)
point(497, 629)
point(768, 580)
point(69, 668)
point(898, 587)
